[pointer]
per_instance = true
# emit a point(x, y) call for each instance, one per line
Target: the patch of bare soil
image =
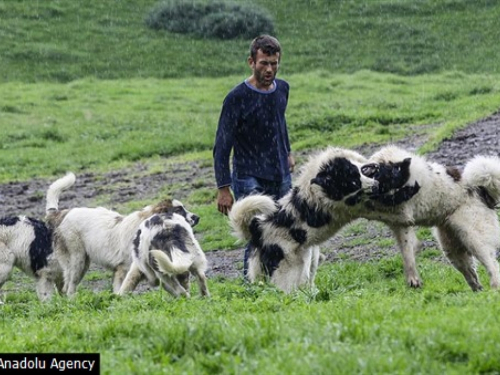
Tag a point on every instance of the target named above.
point(138, 183)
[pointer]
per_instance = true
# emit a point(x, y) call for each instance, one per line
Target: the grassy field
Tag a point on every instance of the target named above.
point(64, 40)
point(363, 320)
point(95, 124)
point(85, 86)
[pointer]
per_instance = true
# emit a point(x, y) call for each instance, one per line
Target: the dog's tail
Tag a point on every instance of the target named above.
point(244, 210)
point(180, 262)
point(484, 172)
point(55, 190)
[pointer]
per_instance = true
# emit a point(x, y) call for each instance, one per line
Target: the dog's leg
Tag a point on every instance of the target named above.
point(255, 270)
point(60, 285)
point(119, 274)
point(202, 281)
point(315, 255)
point(6, 265)
point(44, 286)
point(483, 241)
point(184, 280)
point(408, 243)
point(172, 285)
point(488, 259)
point(79, 265)
point(64, 258)
point(456, 252)
point(134, 276)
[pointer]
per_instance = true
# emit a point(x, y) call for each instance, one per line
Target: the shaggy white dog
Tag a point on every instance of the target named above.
point(165, 248)
point(25, 243)
point(460, 207)
point(97, 234)
point(285, 235)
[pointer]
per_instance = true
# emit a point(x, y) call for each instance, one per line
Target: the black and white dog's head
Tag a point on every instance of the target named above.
point(176, 207)
point(392, 177)
point(341, 180)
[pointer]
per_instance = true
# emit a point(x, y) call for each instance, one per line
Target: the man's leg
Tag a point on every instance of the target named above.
point(242, 187)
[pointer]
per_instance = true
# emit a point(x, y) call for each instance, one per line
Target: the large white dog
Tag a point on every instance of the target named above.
point(97, 234)
point(166, 249)
point(26, 243)
point(285, 235)
point(460, 207)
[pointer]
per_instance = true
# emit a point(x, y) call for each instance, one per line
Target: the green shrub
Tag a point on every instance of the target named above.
point(222, 20)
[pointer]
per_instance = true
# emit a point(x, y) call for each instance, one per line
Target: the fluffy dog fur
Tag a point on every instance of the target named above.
point(166, 249)
point(100, 235)
point(460, 208)
point(285, 235)
point(25, 243)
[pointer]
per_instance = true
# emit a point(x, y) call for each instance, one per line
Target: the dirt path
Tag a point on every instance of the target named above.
point(137, 182)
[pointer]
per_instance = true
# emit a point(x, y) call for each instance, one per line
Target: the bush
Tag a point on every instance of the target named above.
point(222, 20)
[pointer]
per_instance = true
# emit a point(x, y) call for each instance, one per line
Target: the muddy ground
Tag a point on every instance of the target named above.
point(138, 183)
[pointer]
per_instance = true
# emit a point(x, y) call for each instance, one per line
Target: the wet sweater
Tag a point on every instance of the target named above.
point(252, 124)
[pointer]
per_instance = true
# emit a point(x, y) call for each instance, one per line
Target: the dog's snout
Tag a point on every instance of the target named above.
point(369, 170)
point(195, 219)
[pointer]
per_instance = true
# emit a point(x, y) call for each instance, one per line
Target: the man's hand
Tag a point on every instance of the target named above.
point(225, 200)
point(291, 162)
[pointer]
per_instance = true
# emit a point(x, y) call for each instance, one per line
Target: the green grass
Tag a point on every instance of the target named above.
point(49, 128)
point(363, 319)
point(65, 40)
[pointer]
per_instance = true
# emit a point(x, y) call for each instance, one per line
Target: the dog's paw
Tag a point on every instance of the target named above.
point(414, 282)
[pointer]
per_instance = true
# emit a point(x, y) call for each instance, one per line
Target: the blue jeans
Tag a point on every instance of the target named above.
point(247, 185)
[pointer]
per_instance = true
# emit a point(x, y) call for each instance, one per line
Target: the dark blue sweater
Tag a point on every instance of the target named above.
point(252, 123)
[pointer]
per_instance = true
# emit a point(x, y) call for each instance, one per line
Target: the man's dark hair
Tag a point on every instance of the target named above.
point(267, 44)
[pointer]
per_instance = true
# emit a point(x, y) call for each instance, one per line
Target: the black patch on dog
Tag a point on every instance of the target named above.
point(299, 235)
point(454, 173)
point(338, 178)
point(486, 197)
point(9, 221)
point(389, 175)
point(400, 196)
point(152, 263)
point(355, 199)
point(270, 257)
point(137, 241)
point(166, 240)
point(41, 247)
point(255, 232)
point(283, 219)
point(156, 220)
point(313, 216)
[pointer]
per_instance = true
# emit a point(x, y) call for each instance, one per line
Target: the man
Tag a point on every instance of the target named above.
point(252, 125)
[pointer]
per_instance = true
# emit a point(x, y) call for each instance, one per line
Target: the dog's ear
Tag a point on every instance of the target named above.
point(405, 166)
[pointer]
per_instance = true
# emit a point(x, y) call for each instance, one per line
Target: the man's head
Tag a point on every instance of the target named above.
point(265, 54)
point(268, 44)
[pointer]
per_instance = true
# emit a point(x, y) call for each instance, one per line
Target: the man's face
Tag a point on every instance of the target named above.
point(264, 68)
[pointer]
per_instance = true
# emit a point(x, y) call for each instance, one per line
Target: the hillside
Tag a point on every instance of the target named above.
point(66, 40)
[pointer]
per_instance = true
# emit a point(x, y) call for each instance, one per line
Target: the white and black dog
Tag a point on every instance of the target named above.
point(100, 235)
point(460, 206)
point(285, 236)
point(26, 243)
point(165, 248)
